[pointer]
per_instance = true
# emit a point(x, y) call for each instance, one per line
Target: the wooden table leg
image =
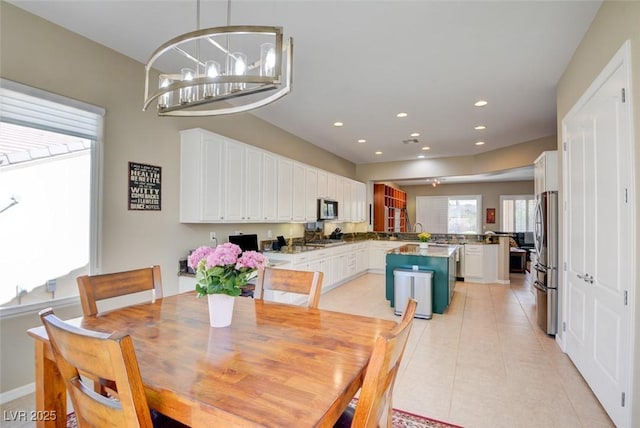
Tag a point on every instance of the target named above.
point(51, 394)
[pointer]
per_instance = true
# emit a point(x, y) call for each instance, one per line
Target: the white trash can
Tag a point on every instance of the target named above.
point(416, 284)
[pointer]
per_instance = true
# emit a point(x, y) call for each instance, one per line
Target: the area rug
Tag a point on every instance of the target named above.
point(402, 419)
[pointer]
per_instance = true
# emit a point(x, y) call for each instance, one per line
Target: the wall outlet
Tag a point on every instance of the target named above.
point(212, 237)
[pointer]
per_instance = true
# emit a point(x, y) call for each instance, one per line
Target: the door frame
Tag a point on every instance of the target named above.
point(622, 58)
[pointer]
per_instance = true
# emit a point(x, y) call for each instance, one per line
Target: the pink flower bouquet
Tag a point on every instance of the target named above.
point(224, 269)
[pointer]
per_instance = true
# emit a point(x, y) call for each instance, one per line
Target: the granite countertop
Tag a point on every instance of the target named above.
point(434, 250)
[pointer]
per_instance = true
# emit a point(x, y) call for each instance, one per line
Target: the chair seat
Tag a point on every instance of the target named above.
point(346, 418)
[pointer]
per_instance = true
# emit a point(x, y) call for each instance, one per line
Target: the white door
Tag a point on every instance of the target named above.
point(598, 222)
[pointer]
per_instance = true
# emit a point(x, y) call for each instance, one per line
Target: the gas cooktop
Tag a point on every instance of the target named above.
point(325, 242)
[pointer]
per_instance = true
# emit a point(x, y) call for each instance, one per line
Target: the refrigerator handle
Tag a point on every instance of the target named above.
point(540, 286)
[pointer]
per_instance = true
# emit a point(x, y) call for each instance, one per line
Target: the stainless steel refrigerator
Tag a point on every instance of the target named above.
point(546, 267)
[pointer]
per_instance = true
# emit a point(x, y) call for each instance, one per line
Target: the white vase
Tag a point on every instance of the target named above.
point(220, 309)
point(424, 245)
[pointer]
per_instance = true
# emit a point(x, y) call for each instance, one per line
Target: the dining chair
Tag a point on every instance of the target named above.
point(375, 401)
point(93, 288)
point(106, 356)
point(293, 281)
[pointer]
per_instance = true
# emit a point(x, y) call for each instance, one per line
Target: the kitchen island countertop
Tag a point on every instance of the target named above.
point(434, 250)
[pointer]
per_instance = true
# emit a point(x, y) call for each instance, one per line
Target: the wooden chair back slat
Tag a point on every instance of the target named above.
point(293, 281)
point(93, 288)
point(375, 401)
point(111, 357)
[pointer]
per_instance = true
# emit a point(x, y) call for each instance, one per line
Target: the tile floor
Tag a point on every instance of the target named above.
point(484, 363)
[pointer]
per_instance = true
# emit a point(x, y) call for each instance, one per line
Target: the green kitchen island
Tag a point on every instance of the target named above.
point(441, 259)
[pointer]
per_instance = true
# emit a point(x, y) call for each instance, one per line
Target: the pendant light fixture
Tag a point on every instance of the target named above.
point(220, 70)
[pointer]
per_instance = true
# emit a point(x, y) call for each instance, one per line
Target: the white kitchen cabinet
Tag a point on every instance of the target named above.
point(545, 172)
point(310, 196)
point(298, 195)
point(284, 206)
point(223, 180)
point(201, 176)
point(362, 257)
point(253, 193)
point(321, 188)
point(473, 260)
point(269, 187)
point(481, 263)
point(332, 180)
point(360, 201)
point(186, 283)
point(347, 203)
point(378, 254)
point(234, 177)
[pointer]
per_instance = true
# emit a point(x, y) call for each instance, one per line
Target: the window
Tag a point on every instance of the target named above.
point(518, 213)
point(48, 196)
point(450, 214)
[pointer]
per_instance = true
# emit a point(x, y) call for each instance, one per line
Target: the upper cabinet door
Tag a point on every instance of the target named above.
point(332, 181)
point(269, 187)
point(545, 172)
point(285, 190)
point(234, 180)
point(322, 187)
point(312, 178)
point(201, 173)
point(299, 190)
point(252, 189)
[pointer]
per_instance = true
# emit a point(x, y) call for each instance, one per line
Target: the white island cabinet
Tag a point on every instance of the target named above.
point(481, 263)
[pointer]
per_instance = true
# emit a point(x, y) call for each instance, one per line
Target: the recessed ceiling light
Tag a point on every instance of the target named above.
point(402, 114)
point(479, 143)
point(420, 156)
point(480, 103)
point(378, 153)
point(362, 140)
point(415, 134)
point(480, 127)
point(338, 123)
point(426, 148)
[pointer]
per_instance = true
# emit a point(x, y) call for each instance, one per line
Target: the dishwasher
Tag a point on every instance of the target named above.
point(416, 284)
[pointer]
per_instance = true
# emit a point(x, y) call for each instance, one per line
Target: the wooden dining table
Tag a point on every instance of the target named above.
point(276, 365)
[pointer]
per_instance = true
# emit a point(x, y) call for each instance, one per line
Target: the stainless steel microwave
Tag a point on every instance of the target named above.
point(327, 209)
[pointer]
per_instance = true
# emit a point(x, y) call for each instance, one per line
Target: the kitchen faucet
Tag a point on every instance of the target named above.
point(415, 226)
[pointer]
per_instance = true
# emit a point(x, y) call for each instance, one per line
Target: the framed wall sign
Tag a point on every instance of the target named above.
point(145, 183)
point(491, 215)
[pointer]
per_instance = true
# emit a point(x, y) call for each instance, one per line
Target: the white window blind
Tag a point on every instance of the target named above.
point(35, 108)
point(517, 213)
point(449, 214)
point(433, 213)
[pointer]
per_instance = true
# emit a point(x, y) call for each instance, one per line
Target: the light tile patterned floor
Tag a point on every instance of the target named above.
point(484, 363)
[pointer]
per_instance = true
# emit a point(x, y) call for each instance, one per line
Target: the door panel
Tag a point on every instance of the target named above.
point(597, 178)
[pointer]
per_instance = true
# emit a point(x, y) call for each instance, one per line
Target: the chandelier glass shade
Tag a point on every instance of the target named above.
point(218, 71)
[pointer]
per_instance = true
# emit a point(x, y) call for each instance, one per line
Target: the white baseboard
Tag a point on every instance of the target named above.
point(16, 393)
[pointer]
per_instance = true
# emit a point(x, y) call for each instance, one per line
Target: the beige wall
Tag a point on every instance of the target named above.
point(616, 22)
point(490, 196)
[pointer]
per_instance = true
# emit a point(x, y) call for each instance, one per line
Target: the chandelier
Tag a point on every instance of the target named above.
point(434, 181)
point(220, 70)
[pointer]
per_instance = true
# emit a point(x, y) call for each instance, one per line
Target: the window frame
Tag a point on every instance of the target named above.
point(527, 197)
point(96, 186)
